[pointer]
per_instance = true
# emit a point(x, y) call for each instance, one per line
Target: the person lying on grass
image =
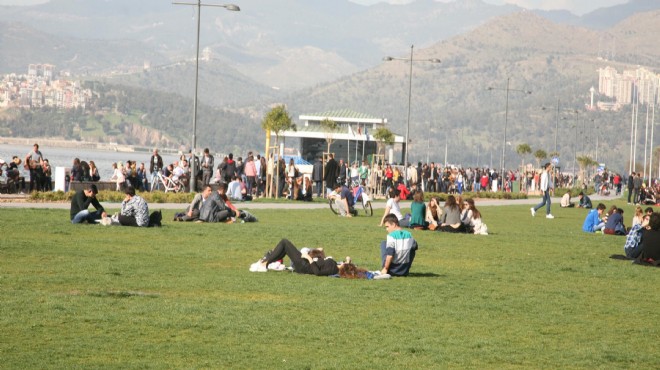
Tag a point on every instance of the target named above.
point(312, 262)
point(305, 261)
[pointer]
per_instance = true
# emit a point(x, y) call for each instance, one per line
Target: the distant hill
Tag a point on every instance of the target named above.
point(450, 101)
point(337, 48)
point(286, 44)
point(22, 45)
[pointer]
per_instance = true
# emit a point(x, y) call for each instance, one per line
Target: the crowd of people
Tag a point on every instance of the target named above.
point(240, 180)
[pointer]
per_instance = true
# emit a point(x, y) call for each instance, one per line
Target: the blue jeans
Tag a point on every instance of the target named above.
point(545, 201)
point(86, 215)
point(319, 188)
point(155, 183)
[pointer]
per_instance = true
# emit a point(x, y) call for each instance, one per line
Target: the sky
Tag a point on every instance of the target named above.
point(578, 7)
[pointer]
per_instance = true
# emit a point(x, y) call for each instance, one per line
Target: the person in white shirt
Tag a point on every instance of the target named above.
point(546, 185)
point(234, 189)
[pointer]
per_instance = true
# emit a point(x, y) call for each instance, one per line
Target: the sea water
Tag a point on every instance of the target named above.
point(63, 157)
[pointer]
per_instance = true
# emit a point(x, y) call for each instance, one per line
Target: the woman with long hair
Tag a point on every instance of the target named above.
point(433, 213)
point(94, 171)
point(451, 217)
point(473, 221)
point(418, 212)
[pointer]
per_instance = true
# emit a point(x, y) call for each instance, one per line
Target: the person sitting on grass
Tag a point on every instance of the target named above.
point(418, 212)
point(472, 219)
point(392, 206)
point(614, 224)
point(451, 217)
point(81, 201)
point(192, 212)
point(234, 212)
point(397, 252)
point(650, 245)
point(638, 216)
point(585, 201)
point(593, 221)
point(566, 201)
point(215, 209)
point(134, 210)
point(305, 261)
point(344, 200)
point(433, 213)
point(633, 246)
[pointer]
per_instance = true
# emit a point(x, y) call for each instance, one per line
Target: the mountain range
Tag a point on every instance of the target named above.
point(287, 44)
point(317, 55)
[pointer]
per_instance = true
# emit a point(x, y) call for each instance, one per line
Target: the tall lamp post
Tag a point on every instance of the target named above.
point(577, 120)
point(198, 4)
point(506, 116)
point(411, 60)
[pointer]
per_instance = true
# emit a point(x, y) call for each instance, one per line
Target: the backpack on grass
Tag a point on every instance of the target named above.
point(155, 219)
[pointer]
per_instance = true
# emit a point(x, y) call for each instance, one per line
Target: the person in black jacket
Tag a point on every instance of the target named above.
point(81, 201)
point(313, 262)
point(331, 173)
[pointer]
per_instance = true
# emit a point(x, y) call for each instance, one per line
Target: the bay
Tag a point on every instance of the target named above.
point(63, 157)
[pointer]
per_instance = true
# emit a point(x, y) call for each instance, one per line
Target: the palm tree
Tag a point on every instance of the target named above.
point(523, 150)
point(584, 162)
point(540, 155)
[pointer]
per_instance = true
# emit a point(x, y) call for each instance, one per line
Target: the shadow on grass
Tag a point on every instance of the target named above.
point(425, 274)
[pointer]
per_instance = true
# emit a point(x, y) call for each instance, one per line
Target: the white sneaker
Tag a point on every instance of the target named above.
point(258, 267)
point(533, 211)
point(549, 216)
point(276, 266)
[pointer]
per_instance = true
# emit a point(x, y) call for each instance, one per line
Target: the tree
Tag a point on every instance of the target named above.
point(384, 137)
point(523, 150)
point(276, 121)
point(540, 155)
point(584, 162)
point(329, 126)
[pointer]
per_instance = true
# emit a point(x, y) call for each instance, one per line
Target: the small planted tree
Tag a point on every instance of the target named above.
point(384, 137)
point(276, 121)
point(329, 126)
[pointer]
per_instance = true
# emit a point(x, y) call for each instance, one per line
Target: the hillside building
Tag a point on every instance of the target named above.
point(352, 139)
point(628, 86)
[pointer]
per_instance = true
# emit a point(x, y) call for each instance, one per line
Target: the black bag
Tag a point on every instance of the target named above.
point(155, 218)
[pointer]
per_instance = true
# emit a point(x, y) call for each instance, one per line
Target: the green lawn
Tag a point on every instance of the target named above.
point(536, 293)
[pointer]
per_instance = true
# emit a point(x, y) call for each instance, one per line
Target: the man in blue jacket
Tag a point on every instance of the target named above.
point(593, 222)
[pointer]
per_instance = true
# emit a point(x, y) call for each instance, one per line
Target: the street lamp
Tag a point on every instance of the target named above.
point(233, 8)
point(577, 120)
point(506, 116)
point(556, 123)
point(411, 60)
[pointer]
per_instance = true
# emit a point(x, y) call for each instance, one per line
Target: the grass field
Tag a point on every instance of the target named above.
point(536, 293)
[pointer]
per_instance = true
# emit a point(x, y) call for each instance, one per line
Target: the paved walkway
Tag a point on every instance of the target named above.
point(20, 202)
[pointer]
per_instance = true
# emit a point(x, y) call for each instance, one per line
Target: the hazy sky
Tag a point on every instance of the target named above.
point(576, 6)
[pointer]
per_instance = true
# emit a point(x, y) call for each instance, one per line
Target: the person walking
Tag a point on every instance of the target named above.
point(546, 185)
